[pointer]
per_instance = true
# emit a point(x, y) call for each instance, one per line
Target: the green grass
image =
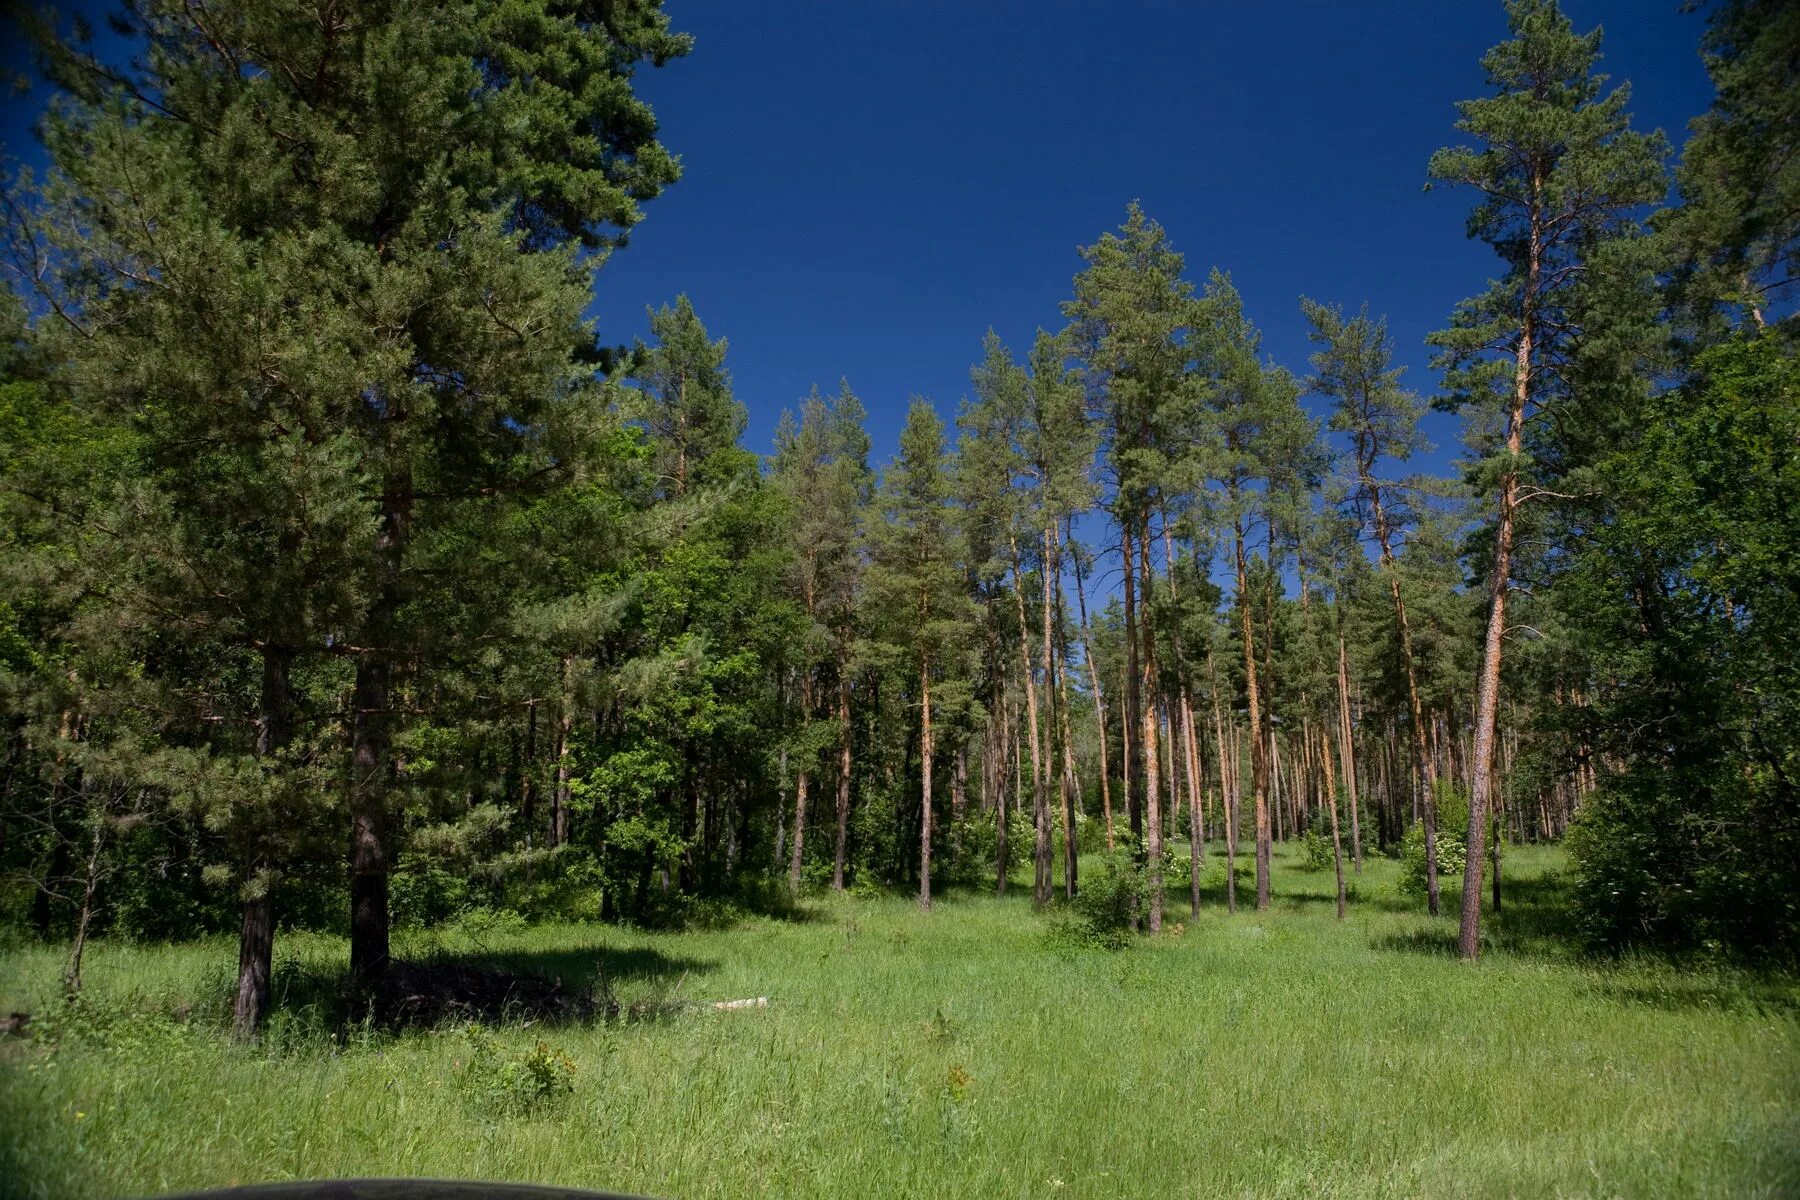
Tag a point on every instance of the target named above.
point(964, 1053)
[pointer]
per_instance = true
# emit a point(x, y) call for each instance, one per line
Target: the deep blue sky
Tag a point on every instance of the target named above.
point(869, 186)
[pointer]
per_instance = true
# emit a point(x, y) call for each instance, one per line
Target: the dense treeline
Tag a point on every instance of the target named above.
point(349, 579)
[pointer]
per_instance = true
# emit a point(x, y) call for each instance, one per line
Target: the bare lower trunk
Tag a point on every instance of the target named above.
point(256, 937)
point(370, 764)
point(1008, 792)
point(798, 853)
point(1227, 791)
point(1152, 764)
point(1487, 699)
point(256, 947)
point(84, 918)
point(1087, 647)
point(843, 781)
point(371, 744)
point(1129, 713)
point(564, 727)
point(1347, 750)
point(1337, 844)
point(1486, 718)
point(1040, 801)
point(925, 748)
point(1258, 763)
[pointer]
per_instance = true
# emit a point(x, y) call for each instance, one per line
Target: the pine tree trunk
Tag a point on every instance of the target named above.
point(256, 937)
point(843, 780)
point(84, 917)
point(1040, 850)
point(1258, 766)
point(1087, 648)
point(371, 749)
point(565, 724)
point(1227, 790)
point(1129, 715)
point(1071, 791)
point(925, 750)
point(1008, 737)
point(1487, 701)
point(1047, 652)
point(1337, 844)
point(797, 852)
point(1150, 721)
point(1347, 749)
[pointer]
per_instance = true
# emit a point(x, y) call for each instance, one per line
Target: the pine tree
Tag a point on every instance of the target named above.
point(821, 465)
point(351, 252)
point(1558, 168)
point(1129, 319)
point(915, 585)
point(1354, 366)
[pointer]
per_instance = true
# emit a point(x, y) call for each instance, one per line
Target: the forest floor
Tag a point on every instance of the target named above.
point(968, 1052)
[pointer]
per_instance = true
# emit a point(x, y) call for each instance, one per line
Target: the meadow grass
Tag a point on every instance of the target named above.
point(962, 1052)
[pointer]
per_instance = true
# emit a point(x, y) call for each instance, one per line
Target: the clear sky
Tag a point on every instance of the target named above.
point(871, 184)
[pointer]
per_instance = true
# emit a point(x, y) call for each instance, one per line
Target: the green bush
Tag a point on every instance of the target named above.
point(426, 894)
point(1109, 904)
point(1315, 852)
point(497, 1083)
point(1450, 858)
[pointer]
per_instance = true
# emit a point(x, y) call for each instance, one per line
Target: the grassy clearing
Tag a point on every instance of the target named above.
point(961, 1053)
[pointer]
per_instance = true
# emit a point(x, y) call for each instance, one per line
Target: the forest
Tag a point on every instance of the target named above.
point(409, 693)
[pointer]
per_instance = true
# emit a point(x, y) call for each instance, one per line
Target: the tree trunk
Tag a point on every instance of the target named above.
point(371, 748)
point(1047, 654)
point(1041, 849)
point(256, 937)
point(843, 780)
point(1337, 844)
point(1227, 791)
point(1130, 714)
point(84, 918)
point(925, 749)
point(565, 723)
point(798, 846)
point(1347, 748)
point(1087, 649)
point(1258, 765)
point(1152, 784)
point(1487, 701)
point(1001, 808)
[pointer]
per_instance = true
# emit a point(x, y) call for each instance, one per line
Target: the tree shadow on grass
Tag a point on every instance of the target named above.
point(547, 987)
point(1719, 990)
point(1535, 921)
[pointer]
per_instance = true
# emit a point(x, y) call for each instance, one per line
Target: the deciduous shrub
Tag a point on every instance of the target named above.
point(1451, 855)
point(525, 1083)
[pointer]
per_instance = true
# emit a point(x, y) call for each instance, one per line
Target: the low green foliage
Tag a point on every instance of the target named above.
point(1452, 855)
point(1108, 905)
point(1315, 852)
point(499, 1081)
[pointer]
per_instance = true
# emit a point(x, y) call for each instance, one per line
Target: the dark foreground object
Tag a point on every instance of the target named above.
point(398, 1189)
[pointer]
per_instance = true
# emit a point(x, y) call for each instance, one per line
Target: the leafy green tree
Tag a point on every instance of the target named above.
point(1687, 599)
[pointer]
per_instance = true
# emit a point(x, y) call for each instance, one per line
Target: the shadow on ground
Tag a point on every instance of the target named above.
point(550, 987)
point(1533, 921)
